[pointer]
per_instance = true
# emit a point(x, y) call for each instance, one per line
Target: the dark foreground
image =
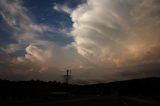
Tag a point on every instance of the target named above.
point(139, 92)
point(90, 101)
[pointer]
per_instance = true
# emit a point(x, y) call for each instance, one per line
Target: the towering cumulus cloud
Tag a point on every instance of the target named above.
point(112, 40)
point(121, 35)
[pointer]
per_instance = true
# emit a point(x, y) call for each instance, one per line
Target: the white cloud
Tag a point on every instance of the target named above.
point(18, 19)
point(62, 8)
point(115, 34)
point(47, 58)
point(11, 48)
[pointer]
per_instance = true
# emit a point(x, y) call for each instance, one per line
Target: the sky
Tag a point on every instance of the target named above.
point(98, 40)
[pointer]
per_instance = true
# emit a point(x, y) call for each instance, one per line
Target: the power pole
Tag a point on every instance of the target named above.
point(67, 77)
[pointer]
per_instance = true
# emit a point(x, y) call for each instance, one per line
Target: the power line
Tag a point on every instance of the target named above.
point(67, 76)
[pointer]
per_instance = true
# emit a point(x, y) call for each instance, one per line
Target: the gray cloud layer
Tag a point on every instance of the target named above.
point(113, 40)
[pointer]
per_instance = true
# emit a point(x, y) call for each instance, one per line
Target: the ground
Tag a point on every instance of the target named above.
point(93, 101)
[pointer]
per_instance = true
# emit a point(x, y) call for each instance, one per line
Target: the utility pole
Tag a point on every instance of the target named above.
point(67, 77)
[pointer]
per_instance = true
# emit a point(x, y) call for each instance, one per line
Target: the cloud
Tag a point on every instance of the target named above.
point(19, 20)
point(25, 31)
point(117, 34)
point(62, 8)
point(113, 40)
point(11, 48)
point(49, 60)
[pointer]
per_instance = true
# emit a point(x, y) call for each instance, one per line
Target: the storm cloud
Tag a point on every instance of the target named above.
point(112, 40)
